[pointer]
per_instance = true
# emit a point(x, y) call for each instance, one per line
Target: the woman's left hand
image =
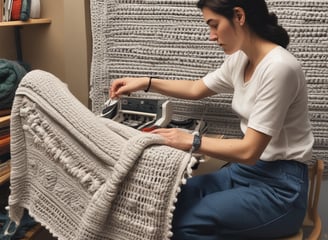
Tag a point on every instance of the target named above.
point(176, 138)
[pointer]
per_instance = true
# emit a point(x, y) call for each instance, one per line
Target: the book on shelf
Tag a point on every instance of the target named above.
point(4, 121)
point(4, 126)
point(4, 157)
point(4, 164)
point(5, 149)
point(11, 9)
point(4, 174)
point(6, 13)
point(4, 131)
point(4, 144)
point(1, 10)
point(5, 167)
point(6, 111)
point(14, 10)
point(4, 139)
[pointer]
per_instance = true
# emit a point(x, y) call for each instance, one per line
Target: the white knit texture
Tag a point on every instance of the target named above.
point(169, 39)
point(86, 177)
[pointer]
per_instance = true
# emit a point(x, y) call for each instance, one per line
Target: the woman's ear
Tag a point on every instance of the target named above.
point(239, 15)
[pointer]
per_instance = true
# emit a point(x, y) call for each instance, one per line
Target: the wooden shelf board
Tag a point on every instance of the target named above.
point(28, 22)
point(5, 172)
point(5, 178)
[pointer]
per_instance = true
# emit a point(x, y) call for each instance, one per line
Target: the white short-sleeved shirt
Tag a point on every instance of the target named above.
point(274, 101)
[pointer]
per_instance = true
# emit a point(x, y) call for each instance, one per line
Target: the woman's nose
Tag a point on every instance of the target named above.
point(213, 36)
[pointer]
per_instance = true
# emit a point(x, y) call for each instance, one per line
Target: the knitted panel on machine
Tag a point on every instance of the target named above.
point(86, 177)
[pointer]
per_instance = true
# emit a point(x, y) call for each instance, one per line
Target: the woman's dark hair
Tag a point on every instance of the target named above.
point(258, 18)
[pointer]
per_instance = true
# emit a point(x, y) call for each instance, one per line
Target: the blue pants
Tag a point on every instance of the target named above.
point(263, 201)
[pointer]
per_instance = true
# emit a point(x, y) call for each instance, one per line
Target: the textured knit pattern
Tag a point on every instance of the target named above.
point(169, 39)
point(86, 177)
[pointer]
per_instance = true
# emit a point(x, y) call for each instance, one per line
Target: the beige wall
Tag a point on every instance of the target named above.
point(7, 43)
point(62, 47)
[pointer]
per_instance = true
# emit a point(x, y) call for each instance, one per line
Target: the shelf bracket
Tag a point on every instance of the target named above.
point(18, 43)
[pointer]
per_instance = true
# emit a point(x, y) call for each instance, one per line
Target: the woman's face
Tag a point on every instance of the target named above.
point(223, 31)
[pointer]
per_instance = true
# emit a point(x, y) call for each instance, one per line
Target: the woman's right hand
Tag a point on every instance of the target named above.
point(127, 85)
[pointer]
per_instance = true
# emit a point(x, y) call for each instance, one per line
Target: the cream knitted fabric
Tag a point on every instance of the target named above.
point(85, 177)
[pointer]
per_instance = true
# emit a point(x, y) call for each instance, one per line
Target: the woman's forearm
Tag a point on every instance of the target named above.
point(185, 89)
point(246, 150)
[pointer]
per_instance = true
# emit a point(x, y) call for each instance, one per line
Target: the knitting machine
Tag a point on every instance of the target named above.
point(148, 114)
point(139, 113)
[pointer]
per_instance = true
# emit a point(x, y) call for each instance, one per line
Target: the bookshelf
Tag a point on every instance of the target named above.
point(5, 170)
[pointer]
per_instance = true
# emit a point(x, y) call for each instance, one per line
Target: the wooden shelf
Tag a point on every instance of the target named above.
point(28, 22)
point(4, 178)
point(5, 173)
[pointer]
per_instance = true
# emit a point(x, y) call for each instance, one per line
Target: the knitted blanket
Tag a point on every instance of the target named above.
point(169, 39)
point(86, 177)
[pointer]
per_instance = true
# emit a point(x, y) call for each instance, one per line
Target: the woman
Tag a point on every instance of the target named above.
point(263, 192)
